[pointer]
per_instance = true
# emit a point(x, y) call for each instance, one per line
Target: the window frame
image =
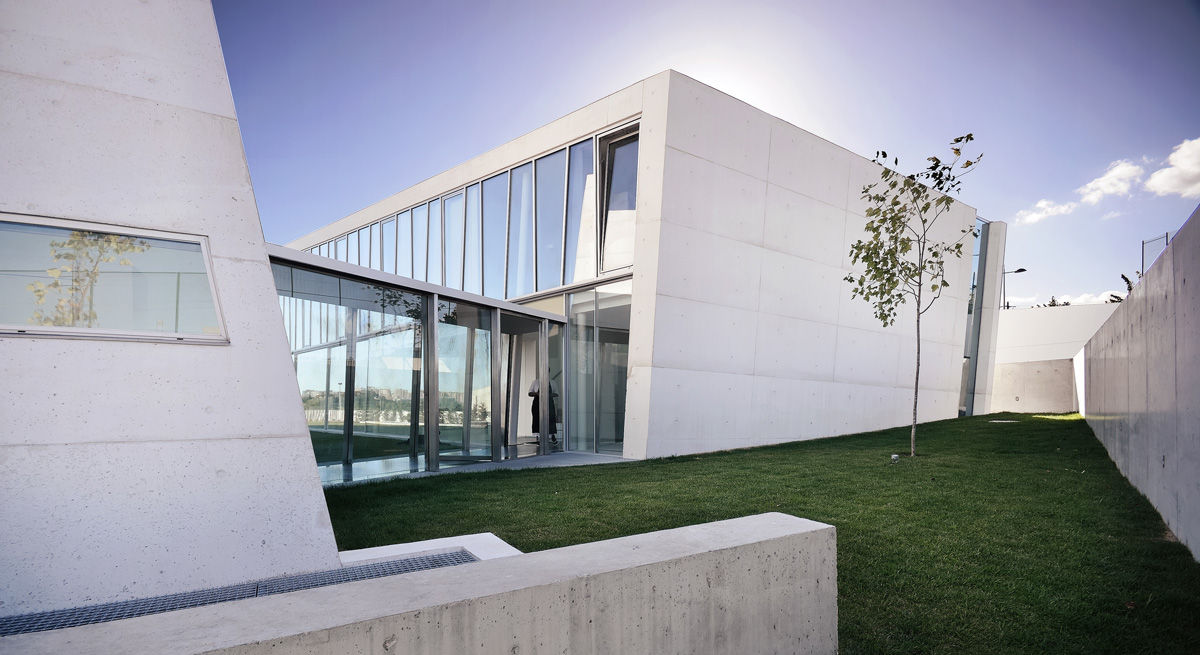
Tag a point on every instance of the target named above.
point(106, 334)
point(603, 165)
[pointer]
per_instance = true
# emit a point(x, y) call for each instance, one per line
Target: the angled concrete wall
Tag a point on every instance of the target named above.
point(989, 309)
point(1143, 385)
point(130, 469)
point(758, 584)
point(756, 338)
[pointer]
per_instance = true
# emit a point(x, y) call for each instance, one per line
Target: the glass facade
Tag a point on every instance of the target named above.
point(579, 250)
point(520, 232)
point(364, 354)
point(551, 173)
point(530, 228)
point(598, 365)
point(453, 220)
point(620, 204)
point(64, 279)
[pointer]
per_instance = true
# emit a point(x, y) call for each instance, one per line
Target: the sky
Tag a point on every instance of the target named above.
point(1087, 112)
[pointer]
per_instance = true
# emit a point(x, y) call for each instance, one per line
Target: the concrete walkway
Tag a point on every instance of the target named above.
point(386, 469)
point(538, 461)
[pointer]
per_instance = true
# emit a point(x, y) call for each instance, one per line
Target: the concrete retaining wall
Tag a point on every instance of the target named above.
point(1045, 386)
point(758, 584)
point(1143, 385)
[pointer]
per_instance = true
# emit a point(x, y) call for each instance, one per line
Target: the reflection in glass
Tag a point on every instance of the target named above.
point(420, 237)
point(352, 248)
point(341, 249)
point(551, 172)
point(464, 381)
point(579, 255)
point(381, 328)
point(435, 242)
point(612, 364)
point(404, 241)
point(554, 342)
point(520, 392)
point(453, 221)
point(495, 216)
point(389, 245)
point(620, 205)
point(62, 277)
point(376, 248)
point(520, 232)
point(472, 244)
point(598, 347)
point(581, 385)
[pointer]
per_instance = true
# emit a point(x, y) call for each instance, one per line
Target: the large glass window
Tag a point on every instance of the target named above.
point(340, 245)
point(376, 248)
point(358, 350)
point(420, 237)
point(579, 254)
point(551, 172)
point(352, 251)
point(66, 279)
point(520, 232)
point(389, 245)
point(435, 242)
point(473, 244)
point(404, 241)
point(464, 381)
point(620, 202)
point(598, 347)
point(520, 384)
point(495, 220)
point(453, 221)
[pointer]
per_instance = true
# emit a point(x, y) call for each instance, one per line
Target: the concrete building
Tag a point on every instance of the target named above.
point(692, 250)
point(658, 273)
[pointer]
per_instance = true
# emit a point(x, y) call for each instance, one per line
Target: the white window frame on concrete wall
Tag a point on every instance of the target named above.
point(219, 337)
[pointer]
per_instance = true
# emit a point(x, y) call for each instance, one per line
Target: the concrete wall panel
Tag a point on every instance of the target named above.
point(758, 584)
point(727, 291)
point(1142, 399)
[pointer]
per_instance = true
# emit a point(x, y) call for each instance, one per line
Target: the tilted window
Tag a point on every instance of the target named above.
point(70, 278)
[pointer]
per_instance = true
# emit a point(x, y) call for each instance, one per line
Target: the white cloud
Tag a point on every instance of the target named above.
point(1091, 298)
point(1117, 180)
point(1043, 209)
point(1182, 175)
point(1110, 215)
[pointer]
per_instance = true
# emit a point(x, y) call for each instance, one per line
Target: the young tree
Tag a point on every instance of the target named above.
point(903, 262)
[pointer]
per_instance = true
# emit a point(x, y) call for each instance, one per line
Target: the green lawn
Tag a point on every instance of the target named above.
point(1000, 537)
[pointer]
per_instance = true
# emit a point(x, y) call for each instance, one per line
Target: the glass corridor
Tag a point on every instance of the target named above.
point(397, 380)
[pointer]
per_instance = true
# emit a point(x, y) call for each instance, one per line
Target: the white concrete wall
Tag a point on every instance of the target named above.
point(759, 584)
point(1143, 385)
point(1036, 334)
point(1046, 386)
point(756, 338)
point(133, 469)
point(1035, 348)
point(989, 316)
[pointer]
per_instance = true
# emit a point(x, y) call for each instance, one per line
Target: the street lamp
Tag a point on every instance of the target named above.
point(1004, 287)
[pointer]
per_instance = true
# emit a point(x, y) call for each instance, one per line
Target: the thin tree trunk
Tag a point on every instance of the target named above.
point(912, 436)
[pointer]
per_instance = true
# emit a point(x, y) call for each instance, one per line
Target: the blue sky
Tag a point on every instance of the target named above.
point(1077, 105)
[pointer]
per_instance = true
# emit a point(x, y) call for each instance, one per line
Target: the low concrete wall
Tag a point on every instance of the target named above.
point(1046, 386)
point(1143, 385)
point(758, 584)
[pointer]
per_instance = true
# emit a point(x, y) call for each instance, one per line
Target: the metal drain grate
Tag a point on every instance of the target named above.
point(15, 625)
